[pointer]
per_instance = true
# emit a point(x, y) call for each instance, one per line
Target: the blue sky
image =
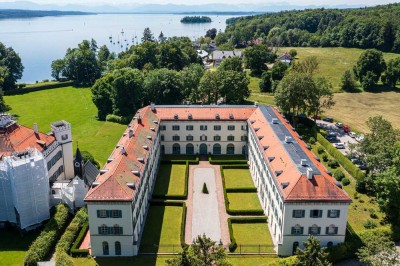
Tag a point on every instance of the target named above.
point(194, 2)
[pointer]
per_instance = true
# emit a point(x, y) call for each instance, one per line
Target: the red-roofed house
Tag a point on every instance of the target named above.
point(296, 192)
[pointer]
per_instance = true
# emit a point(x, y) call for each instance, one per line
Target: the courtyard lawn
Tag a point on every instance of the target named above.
point(162, 228)
point(243, 201)
point(228, 157)
point(148, 260)
point(170, 180)
point(75, 106)
point(238, 178)
point(250, 235)
point(13, 247)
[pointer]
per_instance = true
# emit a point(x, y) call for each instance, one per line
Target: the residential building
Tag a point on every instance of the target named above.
point(285, 58)
point(218, 56)
point(295, 191)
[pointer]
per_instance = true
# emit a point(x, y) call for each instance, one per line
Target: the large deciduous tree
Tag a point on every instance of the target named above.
point(370, 61)
point(278, 70)
point(348, 82)
point(233, 63)
point(163, 86)
point(12, 67)
point(392, 73)
point(375, 246)
point(233, 86)
point(256, 58)
point(265, 83)
point(191, 77)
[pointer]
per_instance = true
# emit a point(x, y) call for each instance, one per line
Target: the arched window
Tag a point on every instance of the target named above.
point(189, 149)
point(217, 149)
point(314, 230)
point(244, 150)
point(106, 250)
point(295, 246)
point(117, 248)
point(331, 230)
point(330, 244)
point(117, 229)
point(230, 149)
point(176, 148)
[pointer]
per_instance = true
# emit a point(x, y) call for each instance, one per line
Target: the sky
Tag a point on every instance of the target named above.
point(195, 2)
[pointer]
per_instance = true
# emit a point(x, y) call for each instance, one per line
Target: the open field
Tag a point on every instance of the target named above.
point(75, 106)
point(252, 234)
point(238, 178)
point(243, 201)
point(170, 180)
point(162, 228)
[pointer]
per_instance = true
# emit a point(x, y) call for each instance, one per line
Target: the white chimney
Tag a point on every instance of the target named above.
point(36, 128)
point(310, 173)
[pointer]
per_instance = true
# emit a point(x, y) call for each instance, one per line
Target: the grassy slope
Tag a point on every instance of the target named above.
point(252, 234)
point(75, 106)
point(238, 178)
point(244, 201)
point(170, 180)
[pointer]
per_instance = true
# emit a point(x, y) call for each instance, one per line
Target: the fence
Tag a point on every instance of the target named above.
point(254, 249)
point(157, 249)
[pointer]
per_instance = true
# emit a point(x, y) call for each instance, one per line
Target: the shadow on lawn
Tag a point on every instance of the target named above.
point(163, 179)
point(12, 240)
point(151, 238)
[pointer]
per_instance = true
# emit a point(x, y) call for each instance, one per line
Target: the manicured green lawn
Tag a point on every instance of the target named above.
point(178, 157)
point(13, 247)
point(75, 106)
point(249, 235)
point(170, 180)
point(163, 227)
point(256, 260)
point(238, 178)
point(228, 157)
point(243, 201)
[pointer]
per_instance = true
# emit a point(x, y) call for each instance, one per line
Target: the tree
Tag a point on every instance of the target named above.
point(163, 86)
point(161, 37)
point(370, 61)
point(145, 53)
point(265, 83)
point(147, 35)
point(191, 77)
point(212, 33)
point(278, 70)
point(374, 245)
point(369, 81)
point(103, 56)
point(312, 255)
point(12, 67)
point(309, 65)
point(209, 88)
point(101, 96)
point(293, 53)
point(233, 63)
point(171, 57)
point(233, 86)
point(256, 58)
point(392, 73)
point(57, 67)
point(320, 98)
point(203, 252)
point(348, 82)
point(87, 156)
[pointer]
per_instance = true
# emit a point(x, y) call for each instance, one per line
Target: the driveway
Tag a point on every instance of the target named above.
point(342, 137)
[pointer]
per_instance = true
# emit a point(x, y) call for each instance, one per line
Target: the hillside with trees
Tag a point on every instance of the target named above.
point(372, 27)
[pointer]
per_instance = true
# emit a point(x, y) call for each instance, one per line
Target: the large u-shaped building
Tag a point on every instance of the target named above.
point(297, 194)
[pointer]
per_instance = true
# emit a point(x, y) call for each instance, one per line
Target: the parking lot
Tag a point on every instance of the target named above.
point(341, 136)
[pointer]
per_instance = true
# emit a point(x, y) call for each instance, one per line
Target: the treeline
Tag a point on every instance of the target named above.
point(196, 19)
point(372, 27)
point(20, 13)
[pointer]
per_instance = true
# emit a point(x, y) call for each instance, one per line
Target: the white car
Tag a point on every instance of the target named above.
point(360, 137)
point(352, 134)
point(339, 145)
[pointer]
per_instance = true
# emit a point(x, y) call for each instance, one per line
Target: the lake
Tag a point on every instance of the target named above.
point(39, 41)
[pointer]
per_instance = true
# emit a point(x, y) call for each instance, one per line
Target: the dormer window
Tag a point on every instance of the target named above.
point(190, 117)
point(176, 116)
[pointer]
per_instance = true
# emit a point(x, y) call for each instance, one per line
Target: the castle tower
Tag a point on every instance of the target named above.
point(79, 169)
point(62, 133)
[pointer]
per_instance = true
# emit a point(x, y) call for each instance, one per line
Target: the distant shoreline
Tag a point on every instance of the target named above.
point(22, 13)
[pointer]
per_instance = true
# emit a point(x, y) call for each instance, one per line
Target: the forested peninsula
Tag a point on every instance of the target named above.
point(20, 13)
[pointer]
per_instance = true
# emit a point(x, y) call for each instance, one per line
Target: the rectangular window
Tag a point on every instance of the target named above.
point(103, 230)
point(189, 138)
point(162, 137)
point(217, 138)
point(163, 128)
point(189, 128)
point(217, 128)
point(64, 137)
point(116, 214)
point(316, 213)
point(243, 138)
point(176, 138)
point(203, 127)
point(101, 214)
point(314, 230)
point(298, 213)
point(231, 138)
point(333, 213)
point(175, 128)
point(331, 230)
point(231, 127)
point(297, 230)
point(117, 230)
point(244, 127)
point(203, 138)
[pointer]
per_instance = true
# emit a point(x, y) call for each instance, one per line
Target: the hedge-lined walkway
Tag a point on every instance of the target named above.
point(223, 216)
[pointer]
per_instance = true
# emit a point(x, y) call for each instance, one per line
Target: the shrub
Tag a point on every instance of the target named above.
point(325, 157)
point(38, 87)
point(118, 119)
point(45, 242)
point(320, 150)
point(372, 213)
point(312, 140)
point(204, 190)
point(333, 163)
point(293, 53)
point(355, 195)
point(369, 224)
point(339, 175)
point(345, 181)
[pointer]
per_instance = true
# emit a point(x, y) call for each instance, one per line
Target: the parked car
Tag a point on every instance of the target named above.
point(331, 137)
point(339, 145)
point(339, 125)
point(352, 135)
point(328, 119)
point(360, 137)
point(361, 165)
point(346, 129)
point(318, 117)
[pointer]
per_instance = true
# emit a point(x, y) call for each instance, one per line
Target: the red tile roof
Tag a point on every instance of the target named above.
point(112, 184)
point(18, 138)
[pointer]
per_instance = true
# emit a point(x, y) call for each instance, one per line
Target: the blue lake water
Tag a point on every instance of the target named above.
point(39, 41)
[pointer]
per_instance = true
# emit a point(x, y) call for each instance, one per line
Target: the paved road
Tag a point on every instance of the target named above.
point(342, 137)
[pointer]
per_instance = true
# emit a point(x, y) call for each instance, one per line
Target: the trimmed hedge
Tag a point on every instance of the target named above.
point(183, 222)
point(176, 196)
point(225, 162)
point(343, 160)
point(236, 212)
point(243, 189)
point(75, 250)
point(177, 161)
point(47, 239)
point(124, 120)
point(243, 220)
point(67, 239)
point(236, 166)
point(39, 87)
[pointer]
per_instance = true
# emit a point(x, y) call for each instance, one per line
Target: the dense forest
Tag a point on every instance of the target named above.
point(373, 27)
point(19, 13)
point(196, 19)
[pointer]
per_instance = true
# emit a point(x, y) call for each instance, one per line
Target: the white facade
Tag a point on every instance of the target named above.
point(62, 133)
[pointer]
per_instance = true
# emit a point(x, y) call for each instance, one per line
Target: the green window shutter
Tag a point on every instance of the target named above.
point(319, 213)
point(301, 230)
point(336, 230)
point(338, 213)
point(108, 213)
point(327, 231)
point(292, 230)
point(120, 214)
point(293, 214)
point(319, 230)
point(329, 213)
point(98, 213)
point(303, 213)
point(99, 230)
point(309, 230)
